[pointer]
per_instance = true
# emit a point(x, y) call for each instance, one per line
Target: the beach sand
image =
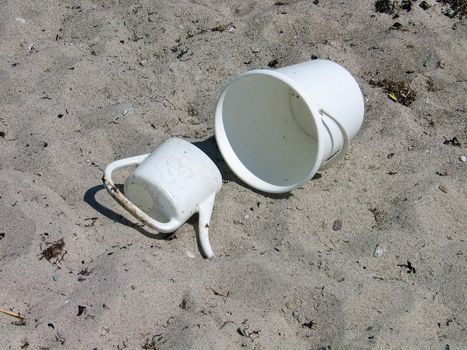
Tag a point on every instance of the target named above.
point(84, 83)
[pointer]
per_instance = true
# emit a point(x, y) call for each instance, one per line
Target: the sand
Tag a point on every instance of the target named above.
point(86, 82)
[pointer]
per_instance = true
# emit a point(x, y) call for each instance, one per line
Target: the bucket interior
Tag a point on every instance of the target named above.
point(268, 131)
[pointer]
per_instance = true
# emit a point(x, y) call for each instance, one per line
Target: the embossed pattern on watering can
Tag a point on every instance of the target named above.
point(174, 171)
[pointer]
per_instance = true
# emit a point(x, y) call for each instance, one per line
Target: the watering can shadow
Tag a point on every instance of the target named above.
point(90, 199)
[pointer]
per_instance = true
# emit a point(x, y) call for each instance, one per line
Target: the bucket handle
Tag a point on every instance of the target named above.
point(345, 146)
point(164, 227)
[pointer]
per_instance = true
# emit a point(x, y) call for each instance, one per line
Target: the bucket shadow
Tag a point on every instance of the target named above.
point(209, 146)
point(90, 198)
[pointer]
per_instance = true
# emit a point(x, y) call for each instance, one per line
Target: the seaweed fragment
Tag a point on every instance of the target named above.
point(81, 310)
point(453, 142)
point(424, 5)
point(53, 251)
point(409, 267)
point(407, 5)
point(458, 8)
point(398, 90)
point(385, 6)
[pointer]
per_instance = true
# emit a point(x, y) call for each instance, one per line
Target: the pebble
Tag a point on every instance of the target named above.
point(127, 111)
point(289, 305)
point(337, 225)
point(443, 188)
point(463, 159)
point(295, 315)
point(241, 331)
point(378, 252)
point(55, 277)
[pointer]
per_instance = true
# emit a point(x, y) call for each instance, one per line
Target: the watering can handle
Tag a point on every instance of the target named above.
point(339, 155)
point(164, 227)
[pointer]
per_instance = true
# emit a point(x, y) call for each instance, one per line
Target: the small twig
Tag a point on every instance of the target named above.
point(226, 323)
point(11, 313)
point(217, 293)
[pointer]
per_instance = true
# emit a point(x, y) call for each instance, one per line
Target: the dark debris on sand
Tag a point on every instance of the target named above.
point(398, 90)
point(458, 8)
point(53, 251)
point(385, 6)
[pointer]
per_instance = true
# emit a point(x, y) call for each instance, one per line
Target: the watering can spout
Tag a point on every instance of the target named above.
point(205, 211)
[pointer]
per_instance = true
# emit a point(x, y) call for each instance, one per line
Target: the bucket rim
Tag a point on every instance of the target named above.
point(232, 159)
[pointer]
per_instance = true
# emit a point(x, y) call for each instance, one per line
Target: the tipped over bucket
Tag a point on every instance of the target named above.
point(276, 128)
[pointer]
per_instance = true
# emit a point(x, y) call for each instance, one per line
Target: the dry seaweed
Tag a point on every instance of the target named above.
point(385, 6)
point(424, 5)
point(152, 344)
point(223, 27)
point(453, 142)
point(21, 322)
point(458, 8)
point(309, 324)
point(273, 64)
point(430, 85)
point(81, 310)
point(398, 90)
point(407, 5)
point(24, 343)
point(245, 331)
point(85, 272)
point(409, 267)
point(53, 251)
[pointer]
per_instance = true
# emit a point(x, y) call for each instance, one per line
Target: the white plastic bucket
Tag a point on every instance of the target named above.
point(276, 128)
